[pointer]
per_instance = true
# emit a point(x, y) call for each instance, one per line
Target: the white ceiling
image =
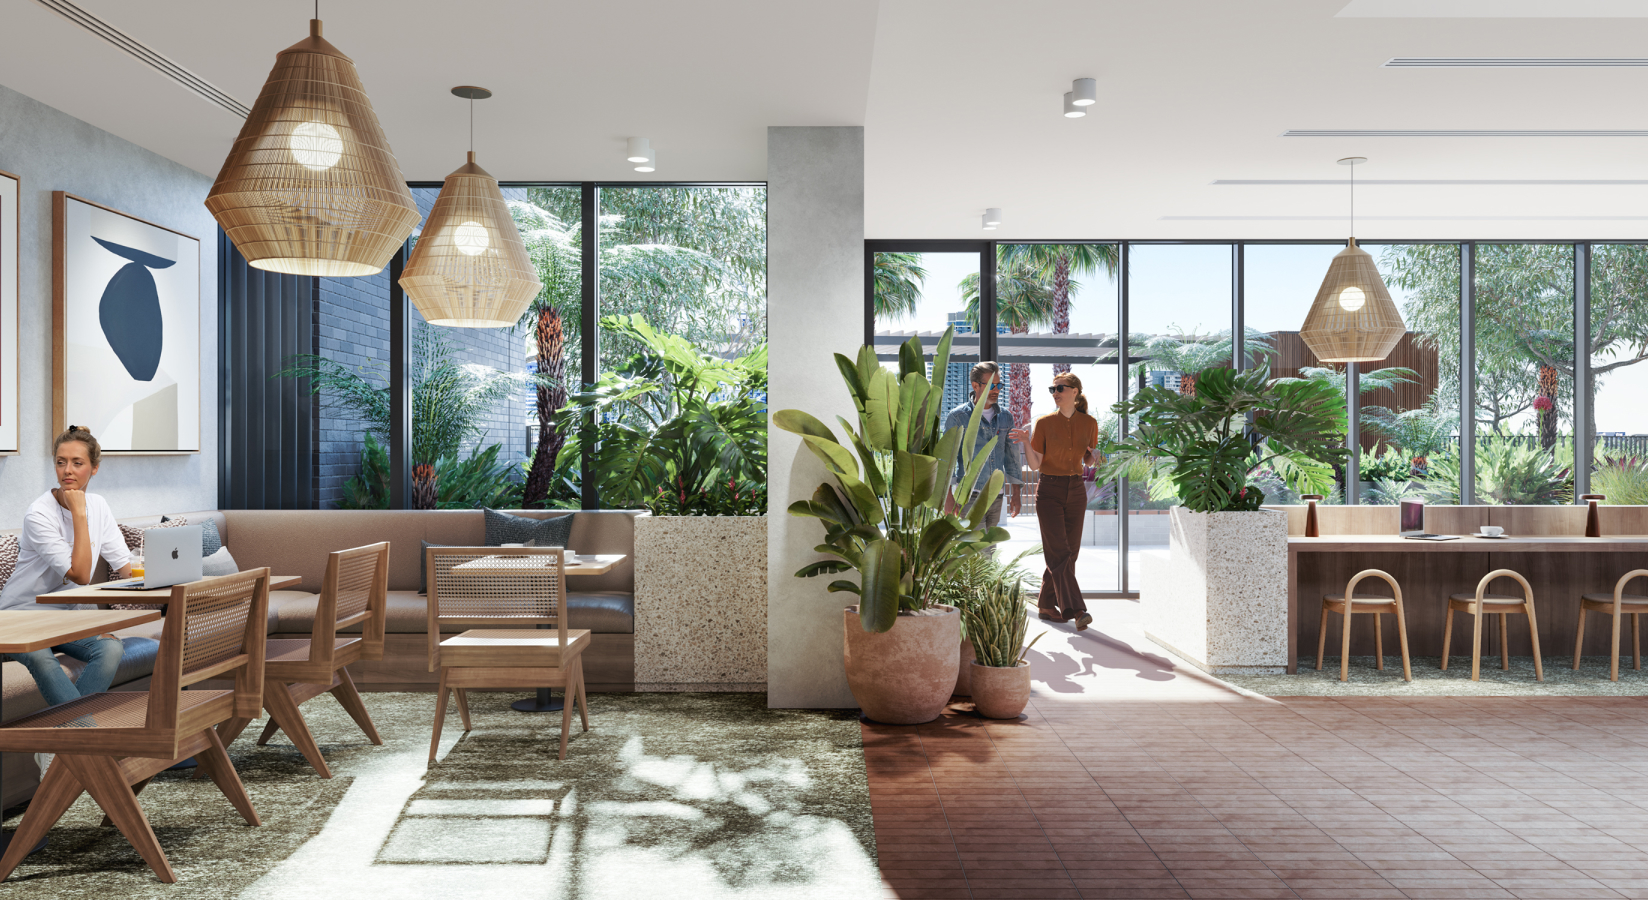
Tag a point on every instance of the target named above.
point(960, 100)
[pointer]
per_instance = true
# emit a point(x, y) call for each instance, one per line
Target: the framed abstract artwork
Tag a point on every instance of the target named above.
point(125, 329)
point(10, 194)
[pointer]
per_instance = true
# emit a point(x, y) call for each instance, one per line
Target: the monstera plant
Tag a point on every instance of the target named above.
point(1210, 444)
point(884, 513)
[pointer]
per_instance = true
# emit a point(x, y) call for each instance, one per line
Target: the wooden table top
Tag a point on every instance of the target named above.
point(27, 630)
point(595, 564)
point(95, 593)
point(1375, 543)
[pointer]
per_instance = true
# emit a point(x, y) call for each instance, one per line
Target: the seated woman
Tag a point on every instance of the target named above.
point(64, 532)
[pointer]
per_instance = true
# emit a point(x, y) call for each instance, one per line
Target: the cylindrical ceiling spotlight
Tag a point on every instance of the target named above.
point(1086, 91)
point(992, 218)
point(1071, 110)
point(650, 163)
point(640, 150)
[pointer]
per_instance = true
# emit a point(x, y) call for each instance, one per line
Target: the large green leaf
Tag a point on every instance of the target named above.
point(797, 422)
point(879, 586)
point(881, 411)
point(924, 478)
point(872, 466)
point(903, 478)
point(949, 445)
point(838, 459)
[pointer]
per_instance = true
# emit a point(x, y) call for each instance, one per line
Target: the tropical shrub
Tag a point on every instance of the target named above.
point(996, 625)
point(1623, 480)
point(1509, 472)
point(884, 514)
point(474, 481)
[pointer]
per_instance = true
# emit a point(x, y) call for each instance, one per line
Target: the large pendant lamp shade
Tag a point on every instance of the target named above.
point(1353, 318)
point(469, 268)
point(310, 186)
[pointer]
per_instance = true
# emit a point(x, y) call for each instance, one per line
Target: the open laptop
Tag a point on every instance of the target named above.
point(170, 556)
point(1413, 523)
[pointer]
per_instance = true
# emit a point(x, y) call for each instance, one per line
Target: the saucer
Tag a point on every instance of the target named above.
point(1491, 537)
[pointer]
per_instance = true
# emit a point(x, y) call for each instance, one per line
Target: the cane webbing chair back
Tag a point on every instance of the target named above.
point(499, 586)
point(355, 592)
point(214, 626)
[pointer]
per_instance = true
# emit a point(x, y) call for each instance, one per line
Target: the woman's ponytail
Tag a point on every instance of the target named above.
point(1069, 380)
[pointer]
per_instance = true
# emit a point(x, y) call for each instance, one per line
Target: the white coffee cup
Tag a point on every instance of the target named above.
point(569, 558)
point(1492, 530)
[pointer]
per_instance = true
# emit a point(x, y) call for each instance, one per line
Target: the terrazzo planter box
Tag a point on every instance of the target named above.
point(701, 603)
point(1218, 597)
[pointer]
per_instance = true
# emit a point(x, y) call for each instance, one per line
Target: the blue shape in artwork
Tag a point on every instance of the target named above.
point(130, 311)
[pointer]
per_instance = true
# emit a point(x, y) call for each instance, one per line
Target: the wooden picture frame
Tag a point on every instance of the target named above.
point(126, 330)
point(11, 195)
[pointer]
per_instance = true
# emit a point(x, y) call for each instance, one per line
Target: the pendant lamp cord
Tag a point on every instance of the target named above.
point(471, 124)
point(1352, 200)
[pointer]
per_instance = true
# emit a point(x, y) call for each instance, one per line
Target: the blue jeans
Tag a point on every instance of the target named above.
point(101, 656)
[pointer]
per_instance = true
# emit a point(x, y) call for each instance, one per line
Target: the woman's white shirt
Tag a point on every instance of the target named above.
point(45, 550)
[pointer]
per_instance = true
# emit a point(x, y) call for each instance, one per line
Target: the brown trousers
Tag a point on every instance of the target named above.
point(1061, 504)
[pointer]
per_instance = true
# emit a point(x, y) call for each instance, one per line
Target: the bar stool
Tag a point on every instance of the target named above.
point(1482, 604)
point(1618, 604)
point(1360, 604)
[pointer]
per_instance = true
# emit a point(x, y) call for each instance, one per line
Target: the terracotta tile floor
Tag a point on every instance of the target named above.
point(1130, 778)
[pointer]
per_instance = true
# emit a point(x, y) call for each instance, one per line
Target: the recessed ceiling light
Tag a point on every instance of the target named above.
point(1086, 91)
point(1071, 110)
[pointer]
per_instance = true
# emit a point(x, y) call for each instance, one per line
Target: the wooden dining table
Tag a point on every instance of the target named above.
point(28, 630)
point(100, 593)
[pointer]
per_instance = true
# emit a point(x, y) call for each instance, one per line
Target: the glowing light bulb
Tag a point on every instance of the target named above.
point(470, 238)
point(316, 146)
point(1351, 299)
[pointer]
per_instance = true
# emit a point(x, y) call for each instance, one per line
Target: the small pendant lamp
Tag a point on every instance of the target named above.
point(1354, 318)
point(310, 186)
point(469, 267)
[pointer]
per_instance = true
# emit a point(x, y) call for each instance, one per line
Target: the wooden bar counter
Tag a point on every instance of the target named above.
point(1547, 549)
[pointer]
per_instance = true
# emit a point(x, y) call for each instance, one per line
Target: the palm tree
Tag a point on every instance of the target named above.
point(898, 279)
point(1058, 264)
point(1024, 300)
point(1191, 355)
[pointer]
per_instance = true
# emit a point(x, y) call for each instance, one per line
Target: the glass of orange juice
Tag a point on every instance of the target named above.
point(137, 567)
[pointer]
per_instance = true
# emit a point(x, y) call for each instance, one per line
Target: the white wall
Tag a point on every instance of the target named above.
point(52, 151)
point(815, 308)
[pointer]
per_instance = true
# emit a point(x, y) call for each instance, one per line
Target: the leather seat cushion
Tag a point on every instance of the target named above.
point(600, 612)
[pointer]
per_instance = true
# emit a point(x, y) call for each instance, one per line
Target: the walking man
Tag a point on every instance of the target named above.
point(994, 422)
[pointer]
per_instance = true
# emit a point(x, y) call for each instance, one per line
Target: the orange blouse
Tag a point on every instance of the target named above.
point(1064, 441)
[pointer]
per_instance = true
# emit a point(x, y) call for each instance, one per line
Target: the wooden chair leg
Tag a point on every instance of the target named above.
point(1636, 641)
point(583, 702)
point(463, 708)
point(1344, 652)
point(440, 715)
point(1447, 640)
point(1504, 642)
point(1579, 636)
point(56, 793)
point(281, 706)
point(215, 760)
point(107, 784)
point(566, 713)
point(1613, 666)
point(1379, 641)
point(350, 697)
point(1322, 637)
point(1402, 640)
point(1476, 644)
point(1533, 634)
point(230, 729)
point(136, 790)
point(272, 727)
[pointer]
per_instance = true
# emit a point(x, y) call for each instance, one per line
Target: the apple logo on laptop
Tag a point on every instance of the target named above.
point(174, 553)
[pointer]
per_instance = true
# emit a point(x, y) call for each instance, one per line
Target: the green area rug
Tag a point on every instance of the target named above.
point(1561, 679)
point(671, 794)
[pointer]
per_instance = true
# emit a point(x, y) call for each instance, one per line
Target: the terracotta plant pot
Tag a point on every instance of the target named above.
point(999, 692)
point(964, 672)
point(905, 675)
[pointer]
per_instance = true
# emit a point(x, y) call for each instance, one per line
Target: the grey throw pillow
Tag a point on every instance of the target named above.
point(210, 540)
point(503, 528)
point(219, 563)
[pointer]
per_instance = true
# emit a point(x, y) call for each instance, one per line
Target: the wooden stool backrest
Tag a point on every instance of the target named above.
point(354, 591)
point(1350, 589)
point(1619, 586)
point(503, 586)
point(214, 627)
point(1527, 590)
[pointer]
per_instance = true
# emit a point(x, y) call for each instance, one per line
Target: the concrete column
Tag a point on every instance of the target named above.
point(815, 308)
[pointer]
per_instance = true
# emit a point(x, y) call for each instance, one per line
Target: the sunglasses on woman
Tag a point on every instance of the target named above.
point(1059, 388)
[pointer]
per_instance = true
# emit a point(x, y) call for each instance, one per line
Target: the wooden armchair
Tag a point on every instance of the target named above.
point(109, 745)
point(355, 591)
point(517, 592)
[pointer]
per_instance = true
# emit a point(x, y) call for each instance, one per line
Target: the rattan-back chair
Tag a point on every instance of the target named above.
point(515, 593)
point(354, 592)
point(110, 744)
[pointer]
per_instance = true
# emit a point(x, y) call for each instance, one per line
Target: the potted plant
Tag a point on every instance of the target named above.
point(1219, 598)
point(965, 585)
point(996, 624)
point(883, 517)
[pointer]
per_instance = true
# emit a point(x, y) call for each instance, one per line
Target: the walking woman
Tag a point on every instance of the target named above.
point(1059, 447)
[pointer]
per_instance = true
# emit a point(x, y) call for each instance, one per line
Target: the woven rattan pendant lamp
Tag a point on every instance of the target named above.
point(310, 186)
point(469, 268)
point(1354, 318)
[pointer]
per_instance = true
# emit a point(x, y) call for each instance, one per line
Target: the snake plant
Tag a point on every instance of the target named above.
point(883, 514)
